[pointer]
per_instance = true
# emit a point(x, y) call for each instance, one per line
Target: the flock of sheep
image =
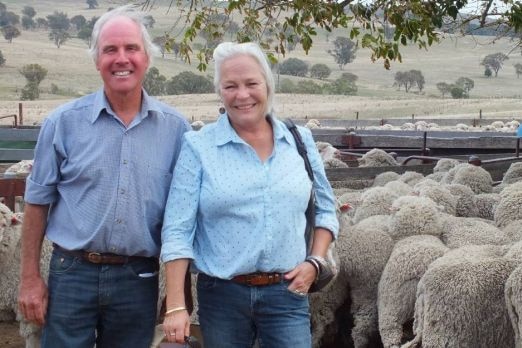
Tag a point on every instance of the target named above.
point(431, 261)
point(424, 261)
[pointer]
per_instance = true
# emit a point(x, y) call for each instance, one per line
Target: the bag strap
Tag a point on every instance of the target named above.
point(301, 147)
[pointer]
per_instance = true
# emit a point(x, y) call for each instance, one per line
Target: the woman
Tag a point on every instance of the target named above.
point(236, 209)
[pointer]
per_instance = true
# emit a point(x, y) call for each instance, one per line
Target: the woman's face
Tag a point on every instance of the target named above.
point(243, 90)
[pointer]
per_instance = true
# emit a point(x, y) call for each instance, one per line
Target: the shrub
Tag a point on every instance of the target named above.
point(286, 86)
point(308, 87)
point(488, 72)
point(320, 71)
point(294, 67)
point(344, 85)
point(30, 92)
point(189, 83)
point(2, 59)
point(55, 89)
point(457, 92)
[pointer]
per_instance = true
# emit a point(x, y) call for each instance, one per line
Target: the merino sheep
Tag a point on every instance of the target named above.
point(440, 195)
point(377, 158)
point(409, 260)
point(411, 178)
point(445, 164)
point(513, 174)
point(466, 206)
point(460, 300)
point(486, 204)
point(509, 207)
point(9, 276)
point(475, 177)
point(22, 167)
point(413, 216)
point(384, 178)
point(197, 125)
point(375, 201)
point(366, 251)
point(513, 232)
point(459, 231)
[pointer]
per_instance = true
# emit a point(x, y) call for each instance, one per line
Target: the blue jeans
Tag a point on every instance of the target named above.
point(232, 315)
point(107, 305)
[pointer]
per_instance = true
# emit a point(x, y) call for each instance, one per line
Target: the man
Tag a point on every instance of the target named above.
point(102, 170)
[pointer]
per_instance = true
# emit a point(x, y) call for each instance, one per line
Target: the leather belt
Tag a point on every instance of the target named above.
point(258, 279)
point(101, 258)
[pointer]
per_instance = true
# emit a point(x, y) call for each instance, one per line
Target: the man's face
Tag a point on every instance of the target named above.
point(122, 60)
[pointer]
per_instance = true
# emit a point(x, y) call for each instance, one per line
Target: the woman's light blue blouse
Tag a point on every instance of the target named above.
point(234, 214)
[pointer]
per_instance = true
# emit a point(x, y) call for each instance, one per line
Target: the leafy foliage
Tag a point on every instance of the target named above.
point(409, 79)
point(2, 59)
point(294, 67)
point(10, 32)
point(416, 22)
point(320, 71)
point(28, 23)
point(154, 82)
point(518, 69)
point(59, 36)
point(30, 92)
point(494, 61)
point(189, 83)
point(466, 84)
point(444, 88)
point(29, 11)
point(78, 21)
point(344, 51)
point(344, 85)
point(92, 4)
point(34, 74)
point(457, 92)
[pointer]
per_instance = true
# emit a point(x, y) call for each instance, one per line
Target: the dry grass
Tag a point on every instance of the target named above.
point(72, 71)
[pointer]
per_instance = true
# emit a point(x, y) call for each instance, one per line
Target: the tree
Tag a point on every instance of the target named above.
point(444, 88)
point(78, 21)
point(409, 79)
point(59, 37)
point(154, 82)
point(344, 51)
point(86, 32)
point(28, 23)
point(518, 69)
point(149, 21)
point(29, 11)
point(416, 22)
point(294, 67)
point(466, 84)
point(42, 23)
point(457, 92)
point(417, 79)
point(189, 83)
point(92, 4)
point(2, 59)
point(10, 32)
point(9, 18)
point(33, 73)
point(344, 85)
point(320, 71)
point(494, 61)
point(488, 72)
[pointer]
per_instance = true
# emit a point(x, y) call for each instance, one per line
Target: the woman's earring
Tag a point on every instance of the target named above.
point(221, 110)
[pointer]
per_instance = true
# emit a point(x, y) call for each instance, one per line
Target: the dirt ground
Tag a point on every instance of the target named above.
point(9, 337)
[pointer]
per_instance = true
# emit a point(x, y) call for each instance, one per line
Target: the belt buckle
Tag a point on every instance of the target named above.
point(94, 257)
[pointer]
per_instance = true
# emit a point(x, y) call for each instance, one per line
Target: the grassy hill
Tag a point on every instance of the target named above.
point(71, 69)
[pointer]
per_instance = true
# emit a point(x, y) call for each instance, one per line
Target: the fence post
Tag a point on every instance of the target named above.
point(20, 114)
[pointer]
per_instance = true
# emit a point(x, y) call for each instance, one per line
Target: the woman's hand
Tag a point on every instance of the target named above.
point(302, 277)
point(176, 326)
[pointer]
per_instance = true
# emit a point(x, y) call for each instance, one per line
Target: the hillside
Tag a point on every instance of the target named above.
point(71, 69)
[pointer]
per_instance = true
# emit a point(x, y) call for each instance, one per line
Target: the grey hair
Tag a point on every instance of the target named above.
point(227, 50)
point(132, 13)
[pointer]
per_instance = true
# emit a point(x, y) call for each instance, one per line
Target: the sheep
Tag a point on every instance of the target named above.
point(313, 124)
point(384, 178)
point(375, 201)
point(466, 206)
point(486, 204)
point(197, 125)
point(513, 231)
point(366, 251)
point(440, 195)
point(377, 158)
point(513, 174)
point(415, 215)
point(476, 178)
point(400, 187)
point(334, 163)
point(460, 300)
point(459, 231)
point(513, 298)
point(411, 178)
point(445, 164)
point(509, 207)
point(409, 260)
point(9, 275)
point(23, 167)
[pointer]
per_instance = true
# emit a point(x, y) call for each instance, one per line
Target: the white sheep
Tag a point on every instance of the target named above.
point(466, 205)
point(377, 158)
point(513, 231)
point(384, 178)
point(509, 207)
point(460, 300)
point(475, 177)
point(415, 215)
point(197, 125)
point(513, 174)
point(409, 260)
point(375, 201)
point(23, 167)
point(513, 298)
point(9, 274)
point(445, 164)
point(459, 231)
point(411, 178)
point(365, 253)
point(486, 204)
point(438, 194)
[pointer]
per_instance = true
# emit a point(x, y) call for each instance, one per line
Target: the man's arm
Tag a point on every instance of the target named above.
point(32, 296)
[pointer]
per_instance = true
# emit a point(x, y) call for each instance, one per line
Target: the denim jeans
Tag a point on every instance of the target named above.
point(107, 305)
point(232, 315)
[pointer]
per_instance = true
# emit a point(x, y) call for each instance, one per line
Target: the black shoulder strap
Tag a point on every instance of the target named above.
point(301, 147)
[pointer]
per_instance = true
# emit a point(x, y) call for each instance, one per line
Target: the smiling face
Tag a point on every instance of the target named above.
point(122, 60)
point(243, 90)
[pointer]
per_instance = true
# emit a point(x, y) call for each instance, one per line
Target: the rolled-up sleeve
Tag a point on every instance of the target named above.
point(41, 184)
point(180, 218)
point(325, 206)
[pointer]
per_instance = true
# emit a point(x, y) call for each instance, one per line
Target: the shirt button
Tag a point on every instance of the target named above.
point(113, 249)
point(122, 191)
point(124, 161)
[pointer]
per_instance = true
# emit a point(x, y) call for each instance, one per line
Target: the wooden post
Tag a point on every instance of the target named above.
point(20, 114)
point(480, 114)
point(357, 115)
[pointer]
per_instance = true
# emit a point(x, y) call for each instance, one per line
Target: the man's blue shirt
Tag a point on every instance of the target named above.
point(106, 183)
point(234, 214)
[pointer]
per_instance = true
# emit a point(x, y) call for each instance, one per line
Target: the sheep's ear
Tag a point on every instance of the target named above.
point(14, 220)
point(345, 207)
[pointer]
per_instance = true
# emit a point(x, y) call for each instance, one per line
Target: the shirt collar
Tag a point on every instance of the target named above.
point(149, 106)
point(225, 133)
